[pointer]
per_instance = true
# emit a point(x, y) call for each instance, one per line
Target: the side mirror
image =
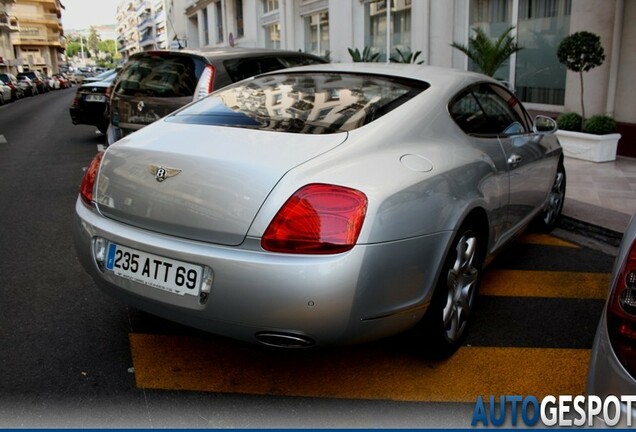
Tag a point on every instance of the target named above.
point(544, 125)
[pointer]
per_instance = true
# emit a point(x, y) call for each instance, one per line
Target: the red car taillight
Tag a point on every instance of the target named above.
point(86, 189)
point(206, 83)
point(621, 313)
point(317, 219)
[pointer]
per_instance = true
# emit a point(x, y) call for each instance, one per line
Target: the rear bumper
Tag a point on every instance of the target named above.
point(368, 293)
point(88, 115)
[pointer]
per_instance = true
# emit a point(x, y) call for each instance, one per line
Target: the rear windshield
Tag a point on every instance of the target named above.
point(160, 75)
point(316, 103)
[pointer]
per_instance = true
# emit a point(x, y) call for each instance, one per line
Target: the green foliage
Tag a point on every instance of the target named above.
point(327, 56)
point(580, 52)
point(600, 125)
point(489, 55)
point(570, 121)
point(366, 55)
point(108, 46)
point(406, 57)
point(73, 49)
point(93, 40)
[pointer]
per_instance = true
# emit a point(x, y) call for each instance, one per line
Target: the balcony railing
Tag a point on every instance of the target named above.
point(50, 20)
point(10, 23)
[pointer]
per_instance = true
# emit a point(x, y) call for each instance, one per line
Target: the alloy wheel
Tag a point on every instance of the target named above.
point(461, 281)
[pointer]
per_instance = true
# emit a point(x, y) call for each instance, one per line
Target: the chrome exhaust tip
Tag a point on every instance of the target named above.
point(284, 340)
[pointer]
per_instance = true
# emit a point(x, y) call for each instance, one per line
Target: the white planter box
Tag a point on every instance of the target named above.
point(594, 148)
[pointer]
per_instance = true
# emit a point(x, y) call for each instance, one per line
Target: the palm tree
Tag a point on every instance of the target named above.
point(486, 53)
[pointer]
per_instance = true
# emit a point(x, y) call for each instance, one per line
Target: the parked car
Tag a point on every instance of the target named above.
point(612, 368)
point(11, 81)
point(101, 76)
point(6, 95)
point(153, 84)
point(63, 80)
point(29, 87)
point(321, 205)
point(53, 83)
point(39, 80)
point(90, 105)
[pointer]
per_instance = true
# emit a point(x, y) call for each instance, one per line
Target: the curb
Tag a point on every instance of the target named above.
point(601, 234)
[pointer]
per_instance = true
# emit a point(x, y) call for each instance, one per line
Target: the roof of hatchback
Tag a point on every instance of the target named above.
point(230, 52)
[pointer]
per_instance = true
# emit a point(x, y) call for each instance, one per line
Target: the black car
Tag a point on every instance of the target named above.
point(153, 84)
point(38, 79)
point(90, 106)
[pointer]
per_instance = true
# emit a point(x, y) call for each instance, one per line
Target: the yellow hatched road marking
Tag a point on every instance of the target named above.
point(365, 372)
point(530, 283)
point(545, 240)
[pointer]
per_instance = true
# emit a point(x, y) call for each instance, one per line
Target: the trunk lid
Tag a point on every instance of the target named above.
point(199, 182)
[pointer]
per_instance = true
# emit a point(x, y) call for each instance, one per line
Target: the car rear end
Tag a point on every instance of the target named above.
point(90, 105)
point(613, 361)
point(153, 84)
point(200, 218)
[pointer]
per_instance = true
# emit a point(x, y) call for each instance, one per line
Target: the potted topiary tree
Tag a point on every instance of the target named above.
point(594, 139)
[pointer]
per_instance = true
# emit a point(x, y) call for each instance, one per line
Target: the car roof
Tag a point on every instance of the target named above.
point(229, 52)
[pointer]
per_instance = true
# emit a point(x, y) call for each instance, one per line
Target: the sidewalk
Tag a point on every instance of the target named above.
point(600, 198)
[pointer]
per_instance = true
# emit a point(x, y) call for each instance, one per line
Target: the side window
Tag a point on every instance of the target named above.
point(489, 110)
point(469, 115)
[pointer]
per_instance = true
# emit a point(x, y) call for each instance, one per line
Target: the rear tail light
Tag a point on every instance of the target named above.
point(206, 83)
point(621, 313)
point(317, 219)
point(88, 183)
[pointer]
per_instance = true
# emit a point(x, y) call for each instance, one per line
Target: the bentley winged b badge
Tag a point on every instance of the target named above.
point(161, 173)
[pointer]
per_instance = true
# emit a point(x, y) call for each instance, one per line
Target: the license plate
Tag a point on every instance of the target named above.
point(159, 272)
point(95, 98)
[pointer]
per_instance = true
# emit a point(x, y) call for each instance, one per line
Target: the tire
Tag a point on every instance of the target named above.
point(553, 207)
point(102, 128)
point(449, 315)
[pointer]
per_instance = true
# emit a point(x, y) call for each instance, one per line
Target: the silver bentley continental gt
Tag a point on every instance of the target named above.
point(319, 205)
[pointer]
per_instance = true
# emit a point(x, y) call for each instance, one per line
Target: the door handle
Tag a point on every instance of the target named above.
point(514, 160)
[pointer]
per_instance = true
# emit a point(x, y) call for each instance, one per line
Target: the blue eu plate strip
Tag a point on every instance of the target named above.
point(111, 256)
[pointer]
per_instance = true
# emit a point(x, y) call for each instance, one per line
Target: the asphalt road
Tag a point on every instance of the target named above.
point(70, 356)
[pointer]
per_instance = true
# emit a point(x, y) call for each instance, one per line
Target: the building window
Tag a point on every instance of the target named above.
point(238, 12)
point(272, 36)
point(539, 77)
point(270, 5)
point(541, 25)
point(219, 21)
point(206, 28)
point(317, 33)
point(398, 34)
